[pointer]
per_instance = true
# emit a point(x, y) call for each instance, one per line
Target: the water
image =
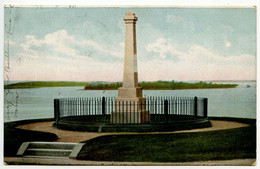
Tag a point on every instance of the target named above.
point(20, 104)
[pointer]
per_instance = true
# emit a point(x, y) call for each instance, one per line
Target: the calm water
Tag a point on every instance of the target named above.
point(37, 103)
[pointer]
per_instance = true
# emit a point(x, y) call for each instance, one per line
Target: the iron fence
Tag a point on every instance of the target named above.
point(161, 109)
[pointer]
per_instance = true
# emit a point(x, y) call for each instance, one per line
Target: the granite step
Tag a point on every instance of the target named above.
point(49, 149)
point(48, 152)
point(52, 145)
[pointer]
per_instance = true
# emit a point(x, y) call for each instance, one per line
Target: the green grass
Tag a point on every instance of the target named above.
point(158, 85)
point(14, 137)
point(181, 147)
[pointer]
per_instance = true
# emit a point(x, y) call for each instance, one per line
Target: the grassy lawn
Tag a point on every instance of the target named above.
point(13, 137)
point(182, 147)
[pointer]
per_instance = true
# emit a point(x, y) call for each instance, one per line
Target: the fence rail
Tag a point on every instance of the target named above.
point(161, 109)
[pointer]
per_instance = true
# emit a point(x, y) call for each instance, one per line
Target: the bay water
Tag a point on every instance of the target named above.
point(36, 103)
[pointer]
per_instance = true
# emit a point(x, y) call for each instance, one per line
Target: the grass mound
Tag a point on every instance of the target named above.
point(181, 147)
point(14, 137)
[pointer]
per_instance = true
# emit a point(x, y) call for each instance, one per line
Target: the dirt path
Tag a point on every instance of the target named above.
point(46, 161)
point(75, 136)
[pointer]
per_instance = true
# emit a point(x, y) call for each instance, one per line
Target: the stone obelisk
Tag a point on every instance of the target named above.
point(130, 105)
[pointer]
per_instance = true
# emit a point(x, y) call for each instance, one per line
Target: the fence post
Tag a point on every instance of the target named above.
point(103, 106)
point(195, 106)
point(166, 110)
point(56, 111)
point(205, 107)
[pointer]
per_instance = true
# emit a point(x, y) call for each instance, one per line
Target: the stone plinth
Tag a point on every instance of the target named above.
point(130, 105)
point(140, 117)
point(130, 92)
point(130, 111)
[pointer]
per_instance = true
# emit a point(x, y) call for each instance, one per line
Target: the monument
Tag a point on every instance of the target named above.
point(130, 106)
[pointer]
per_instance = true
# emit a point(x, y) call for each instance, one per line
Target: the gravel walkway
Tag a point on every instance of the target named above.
point(75, 136)
point(65, 161)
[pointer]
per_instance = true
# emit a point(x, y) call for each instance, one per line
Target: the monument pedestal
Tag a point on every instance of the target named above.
point(140, 117)
point(130, 92)
point(130, 111)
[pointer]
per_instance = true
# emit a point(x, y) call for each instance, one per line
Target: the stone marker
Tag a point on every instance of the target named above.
point(130, 105)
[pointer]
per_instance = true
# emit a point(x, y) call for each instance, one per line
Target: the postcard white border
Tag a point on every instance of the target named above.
point(119, 3)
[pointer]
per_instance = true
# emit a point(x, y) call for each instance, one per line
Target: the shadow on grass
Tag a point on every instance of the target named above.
point(14, 137)
point(177, 147)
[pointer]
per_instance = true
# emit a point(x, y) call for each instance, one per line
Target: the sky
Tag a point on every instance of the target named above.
point(87, 44)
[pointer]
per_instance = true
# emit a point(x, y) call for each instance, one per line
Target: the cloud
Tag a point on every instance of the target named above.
point(10, 42)
point(228, 44)
point(180, 24)
point(56, 43)
point(196, 63)
point(173, 18)
point(164, 48)
point(73, 70)
point(63, 44)
point(121, 25)
point(60, 56)
point(122, 44)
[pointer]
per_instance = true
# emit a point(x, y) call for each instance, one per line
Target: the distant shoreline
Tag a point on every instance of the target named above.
point(157, 85)
point(231, 81)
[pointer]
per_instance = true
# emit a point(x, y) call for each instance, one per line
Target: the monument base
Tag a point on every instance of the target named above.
point(130, 92)
point(130, 111)
point(138, 117)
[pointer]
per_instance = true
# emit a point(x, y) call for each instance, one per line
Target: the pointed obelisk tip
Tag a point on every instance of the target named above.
point(130, 16)
point(130, 13)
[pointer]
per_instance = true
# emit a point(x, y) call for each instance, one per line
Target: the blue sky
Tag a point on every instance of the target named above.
point(87, 44)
